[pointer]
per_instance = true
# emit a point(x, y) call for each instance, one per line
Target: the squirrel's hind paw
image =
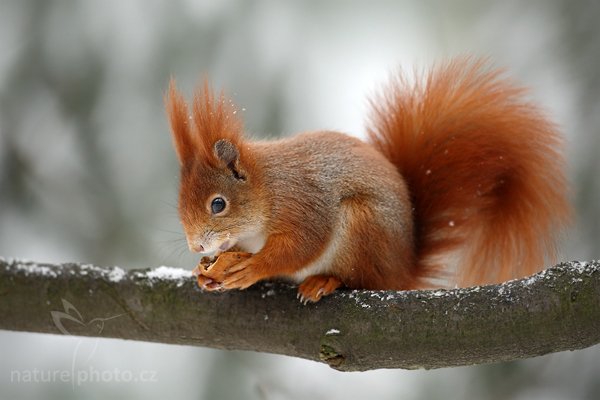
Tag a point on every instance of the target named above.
point(316, 286)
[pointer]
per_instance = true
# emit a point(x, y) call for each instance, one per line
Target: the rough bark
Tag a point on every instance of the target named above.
point(555, 310)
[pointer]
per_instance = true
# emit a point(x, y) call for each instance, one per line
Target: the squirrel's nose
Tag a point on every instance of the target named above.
point(196, 247)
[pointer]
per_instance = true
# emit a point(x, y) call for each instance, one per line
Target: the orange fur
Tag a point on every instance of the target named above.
point(484, 168)
point(459, 168)
point(213, 118)
point(177, 110)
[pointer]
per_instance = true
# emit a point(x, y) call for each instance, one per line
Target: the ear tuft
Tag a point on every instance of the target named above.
point(215, 119)
point(177, 110)
point(212, 134)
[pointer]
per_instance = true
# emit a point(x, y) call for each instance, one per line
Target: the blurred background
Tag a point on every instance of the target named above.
point(88, 173)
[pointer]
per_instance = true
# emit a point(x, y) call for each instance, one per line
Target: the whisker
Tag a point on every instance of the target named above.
point(168, 231)
point(167, 203)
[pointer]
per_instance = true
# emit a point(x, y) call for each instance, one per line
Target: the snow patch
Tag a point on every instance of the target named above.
point(84, 269)
point(35, 269)
point(268, 293)
point(579, 266)
point(163, 273)
point(531, 280)
point(116, 274)
point(169, 273)
point(332, 332)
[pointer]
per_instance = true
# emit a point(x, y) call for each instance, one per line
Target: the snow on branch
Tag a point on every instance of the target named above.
point(557, 309)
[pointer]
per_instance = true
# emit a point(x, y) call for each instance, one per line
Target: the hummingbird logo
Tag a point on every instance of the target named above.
point(70, 313)
point(96, 325)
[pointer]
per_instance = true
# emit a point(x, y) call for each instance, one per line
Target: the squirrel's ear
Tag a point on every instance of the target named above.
point(228, 156)
point(177, 111)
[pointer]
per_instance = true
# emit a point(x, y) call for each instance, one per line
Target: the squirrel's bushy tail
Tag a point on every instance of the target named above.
point(484, 168)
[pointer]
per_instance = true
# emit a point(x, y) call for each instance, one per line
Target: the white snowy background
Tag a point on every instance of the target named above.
point(88, 174)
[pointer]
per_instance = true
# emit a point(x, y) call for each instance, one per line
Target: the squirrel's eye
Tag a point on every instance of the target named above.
point(218, 205)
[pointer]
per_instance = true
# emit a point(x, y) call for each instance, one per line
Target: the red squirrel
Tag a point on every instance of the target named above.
point(460, 177)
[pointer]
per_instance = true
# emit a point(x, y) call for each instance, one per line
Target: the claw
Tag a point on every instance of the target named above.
point(316, 286)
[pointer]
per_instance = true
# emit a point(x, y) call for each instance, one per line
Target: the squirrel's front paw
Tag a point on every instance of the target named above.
point(211, 271)
point(242, 275)
point(206, 283)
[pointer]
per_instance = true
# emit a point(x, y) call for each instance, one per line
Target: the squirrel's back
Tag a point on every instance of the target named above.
point(327, 186)
point(484, 168)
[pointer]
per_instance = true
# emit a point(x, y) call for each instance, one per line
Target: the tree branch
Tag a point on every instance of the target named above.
point(557, 309)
